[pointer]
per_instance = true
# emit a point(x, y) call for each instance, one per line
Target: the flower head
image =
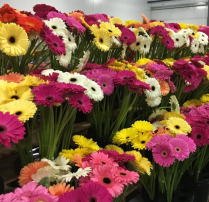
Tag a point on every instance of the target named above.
point(59, 189)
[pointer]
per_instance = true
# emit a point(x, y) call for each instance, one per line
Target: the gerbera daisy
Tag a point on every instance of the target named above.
point(11, 129)
point(93, 90)
point(106, 84)
point(56, 44)
point(124, 77)
point(27, 171)
point(13, 40)
point(168, 42)
point(81, 101)
point(189, 141)
point(47, 95)
point(125, 136)
point(137, 44)
point(110, 29)
point(114, 148)
point(105, 175)
point(74, 78)
point(157, 140)
point(57, 25)
point(64, 60)
point(174, 103)
point(155, 88)
point(12, 77)
point(142, 126)
point(200, 136)
point(102, 40)
point(59, 189)
point(24, 109)
point(10, 197)
point(145, 45)
point(73, 196)
point(180, 148)
point(126, 177)
point(127, 36)
point(54, 14)
point(85, 143)
point(83, 61)
point(43, 197)
point(74, 24)
point(68, 40)
point(153, 102)
point(163, 155)
point(141, 140)
point(164, 87)
point(178, 126)
point(194, 45)
point(95, 192)
point(45, 31)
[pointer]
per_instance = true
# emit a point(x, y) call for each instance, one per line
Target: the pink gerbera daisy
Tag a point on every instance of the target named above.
point(108, 72)
point(127, 36)
point(93, 75)
point(81, 101)
point(54, 14)
point(105, 175)
point(106, 84)
point(180, 148)
point(48, 95)
point(76, 195)
point(95, 192)
point(126, 177)
point(56, 44)
point(159, 30)
point(45, 31)
point(69, 88)
point(200, 136)
point(189, 141)
point(10, 197)
point(124, 77)
point(43, 197)
point(72, 22)
point(11, 129)
point(168, 42)
point(162, 154)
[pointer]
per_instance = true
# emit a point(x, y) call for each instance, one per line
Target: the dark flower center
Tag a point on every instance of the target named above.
point(143, 142)
point(80, 102)
point(109, 30)
point(123, 174)
point(92, 199)
point(55, 44)
point(164, 153)
point(178, 149)
point(73, 80)
point(137, 44)
point(49, 98)
point(177, 127)
point(101, 40)
point(12, 39)
point(177, 39)
point(103, 162)
point(153, 88)
point(106, 180)
point(2, 129)
point(92, 88)
point(18, 113)
point(145, 46)
point(15, 97)
point(69, 39)
point(54, 27)
point(125, 37)
point(104, 85)
point(198, 136)
point(167, 42)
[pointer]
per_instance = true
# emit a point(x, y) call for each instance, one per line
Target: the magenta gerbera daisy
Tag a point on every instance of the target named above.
point(124, 77)
point(162, 154)
point(45, 31)
point(54, 14)
point(69, 88)
point(76, 195)
point(127, 36)
point(189, 141)
point(105, 175)
point(200, 136)
point(126, 177)
point(81, 101)
point(47, 95)
point(168, 42)
point(11, 129)
point(93, 75)
point(106, 84)
point(95, 192)
point(73, 23)
point(159, 30)
point(56, 44)
point(107, 72)
point(180, 148)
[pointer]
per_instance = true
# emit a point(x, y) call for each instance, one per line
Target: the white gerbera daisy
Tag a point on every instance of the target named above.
point(57, 25)
point(116, 41)
point(178, 40)
point(145, 45)
point(157, 114)
point(80, 173)
point(74, 78)
point(123, 53)
point(83, 60)
point(203, 39)
point(156, 124)
point(136, 46)
point(93, 90)
point(47, 72)
point(155, 88)
point(201, 49)
point(174, 103)
point(47, 171)
point(64, 60)
point(153, 102)
point(60, 163)
point(68, 40)
point(195, 45)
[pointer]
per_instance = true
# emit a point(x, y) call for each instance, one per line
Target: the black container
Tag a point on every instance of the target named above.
point(1, 185)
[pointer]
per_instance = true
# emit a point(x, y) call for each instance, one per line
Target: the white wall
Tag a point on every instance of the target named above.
point(125, 9)
point(190, 15)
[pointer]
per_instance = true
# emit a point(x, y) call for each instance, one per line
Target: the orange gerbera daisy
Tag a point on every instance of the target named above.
point(30, 24)
point(59, 189)
point(164, 87)
point(77, 159)
point(29, 170)
point(12, 77)
point(77, 15)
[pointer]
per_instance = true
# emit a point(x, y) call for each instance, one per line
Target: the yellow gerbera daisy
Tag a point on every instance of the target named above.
point(140, 73)
point(110, 29)
point(143, 126)
point(156, 23)
point(13, 40)
point(33, 81)
point(116, 20)
point(193, 102)
point(168, 115)
point(102, 40)
point(94, 29)
point(24, 109)
point(206, 68)
point(143, 61)
point(114, 148)
point(204, 98)
point(169, 61)
point(128, 22)
point(83, 142)
point(117, 66)
point(178, 126)
point(8, 94)
point(124, 136)
point(183, 25)
point(141, 140)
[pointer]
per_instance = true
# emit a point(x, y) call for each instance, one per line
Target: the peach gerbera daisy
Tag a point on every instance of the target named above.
point(59, 189)
point(12, 77)
point(164, 87)
point(27, 171)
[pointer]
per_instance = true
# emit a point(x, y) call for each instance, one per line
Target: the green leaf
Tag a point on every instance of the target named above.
point(173, 106)
point(45, 182)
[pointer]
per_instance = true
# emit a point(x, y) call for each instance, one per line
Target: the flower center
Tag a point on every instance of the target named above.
point(145, 46)
point(101, 40)
point(198, 136)
point(137, 44)
point(153, 88)
point(177, 39)
point(109, 30)
point(15, 97)
point(2, 129)
point(69, 39)
point(123, 174)
point(55, 44)
point(54, 27)
point(80, 102)
point(104, 85)
point(177, 149)
point(92, 88)
point(12, 39)
point(164, 153)
point(103, 162)
point(143, 142)
point(125, 37)
point(92, 199)
point(177, 127)
point(49, 98)
point(73, 80)
point(18, 113)
point(106, 180)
